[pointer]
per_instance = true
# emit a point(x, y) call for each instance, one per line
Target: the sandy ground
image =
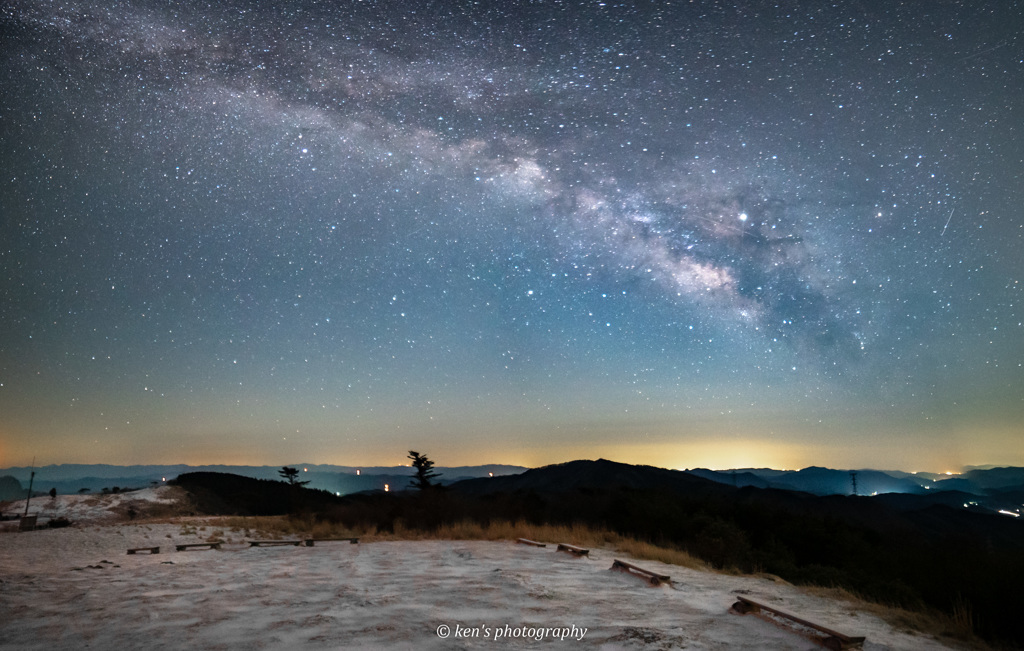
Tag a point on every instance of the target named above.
point(96, 508)
point(77, 588)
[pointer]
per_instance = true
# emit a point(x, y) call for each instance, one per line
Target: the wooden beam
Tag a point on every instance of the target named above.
point(262, 543)
point(524, 541)
point(652, 577)
point(213, 545)
point(310, 541)
point(572, 549)
point(833, 640)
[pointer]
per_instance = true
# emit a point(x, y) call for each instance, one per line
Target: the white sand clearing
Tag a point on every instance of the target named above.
point(76, 588)
point(108, 507)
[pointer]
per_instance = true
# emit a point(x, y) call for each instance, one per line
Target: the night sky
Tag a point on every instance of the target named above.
point(683, 234)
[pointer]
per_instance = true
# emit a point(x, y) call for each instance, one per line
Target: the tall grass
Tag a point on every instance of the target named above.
point(957, 626)
point(577, 534)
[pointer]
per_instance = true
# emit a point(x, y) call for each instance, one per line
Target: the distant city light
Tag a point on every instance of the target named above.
point(1005, 512)
point(387, 488)
point(358, 471)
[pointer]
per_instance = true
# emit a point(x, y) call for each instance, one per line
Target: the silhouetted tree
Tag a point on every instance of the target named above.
point(291, 475)
point(425, 474)
point(83, 491)
point(53, 493)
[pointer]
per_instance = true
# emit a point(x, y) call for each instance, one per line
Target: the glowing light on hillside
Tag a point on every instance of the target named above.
point(387, 487)
point(358, 471)
point(1004, 512)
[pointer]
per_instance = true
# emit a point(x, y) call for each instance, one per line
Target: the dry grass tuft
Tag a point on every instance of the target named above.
point(576, 534)
point(580, 535)
point(958, 626)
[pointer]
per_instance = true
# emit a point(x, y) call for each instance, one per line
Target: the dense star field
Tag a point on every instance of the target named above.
point(675, 233)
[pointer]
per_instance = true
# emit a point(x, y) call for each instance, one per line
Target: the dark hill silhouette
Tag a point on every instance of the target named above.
point(737, 478)
point(910, 502)
point(217, 493)
point(996, 478)
point(815, 479)
point(890, 514)
point(11, 489)
point(600, 474)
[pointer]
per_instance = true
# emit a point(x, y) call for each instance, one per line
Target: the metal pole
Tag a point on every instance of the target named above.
point(29, 498)
point(31, 477)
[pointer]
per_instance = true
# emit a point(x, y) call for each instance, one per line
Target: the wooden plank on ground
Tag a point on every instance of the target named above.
point(652, 577)
point(271, 543)
point(151, 550)
point(833, 640)
point(310, 541)
point(572, 549)
point(524, 541)
point(207, 545)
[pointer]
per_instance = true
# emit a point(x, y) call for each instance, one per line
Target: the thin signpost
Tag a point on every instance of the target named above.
point(30, 480)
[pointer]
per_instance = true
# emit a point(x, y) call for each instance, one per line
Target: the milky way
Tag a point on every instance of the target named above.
point(337, 230)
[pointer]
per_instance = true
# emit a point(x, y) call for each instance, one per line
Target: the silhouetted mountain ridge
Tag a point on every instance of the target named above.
point(600, 474)
point(72, 478)
point(11, 488)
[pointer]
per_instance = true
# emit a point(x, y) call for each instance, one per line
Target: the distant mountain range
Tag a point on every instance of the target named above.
point(991, 489)
point(72, 478)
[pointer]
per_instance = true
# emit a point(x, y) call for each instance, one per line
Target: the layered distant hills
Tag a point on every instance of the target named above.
point(73, 478)
point(989, 488)
point(993, 489)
